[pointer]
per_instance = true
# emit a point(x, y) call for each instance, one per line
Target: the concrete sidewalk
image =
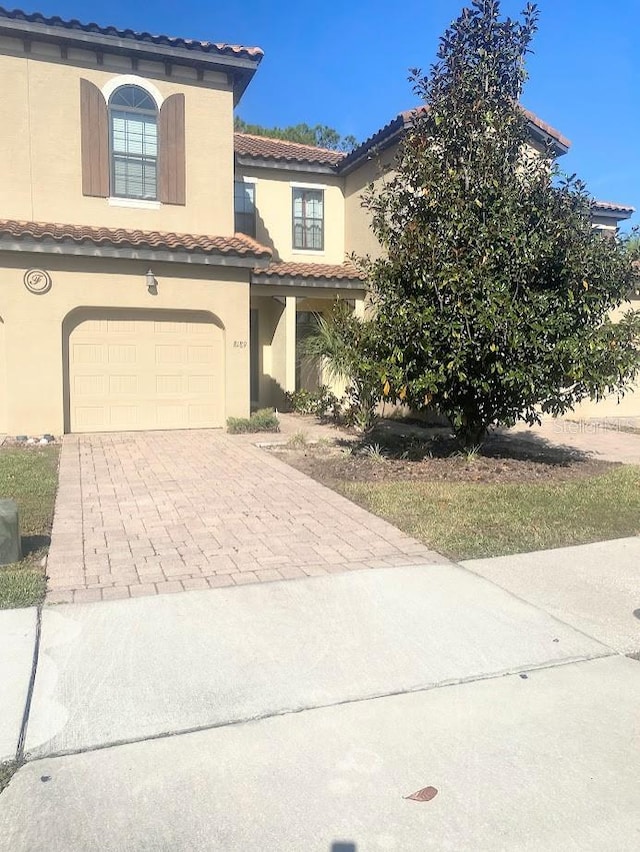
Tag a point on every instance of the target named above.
point(600, 439)
point(300, 714)
point(545, 763)
point(594, 587)
point(129, 670)
point(17, 641)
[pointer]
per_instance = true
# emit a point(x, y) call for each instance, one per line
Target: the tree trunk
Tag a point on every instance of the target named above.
point(472, 436)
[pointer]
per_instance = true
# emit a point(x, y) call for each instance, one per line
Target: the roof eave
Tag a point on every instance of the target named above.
point(240, 68)
point(378, 143)
point(557, 147)
point(608, 213)
point(313, 282)
point(87, 248)
point(286, 165)
point(241, 80)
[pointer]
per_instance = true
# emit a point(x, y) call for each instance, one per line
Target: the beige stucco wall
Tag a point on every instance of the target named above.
point(271, 352)
point(40, 142)
point(274, 206)
point(33, 324)
point(359, 237)
point(628, 407)
point(276, 347)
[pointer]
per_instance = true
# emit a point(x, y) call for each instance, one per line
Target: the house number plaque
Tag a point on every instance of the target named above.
point(37, 281)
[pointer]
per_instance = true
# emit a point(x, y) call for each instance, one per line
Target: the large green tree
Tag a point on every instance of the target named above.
point(632, 245)
point(319, 135)
point(493, 296)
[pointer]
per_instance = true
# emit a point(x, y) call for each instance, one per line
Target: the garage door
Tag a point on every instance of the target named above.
point(146, 370)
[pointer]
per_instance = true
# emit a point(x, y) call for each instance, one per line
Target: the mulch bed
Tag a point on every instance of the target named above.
point(501, 460)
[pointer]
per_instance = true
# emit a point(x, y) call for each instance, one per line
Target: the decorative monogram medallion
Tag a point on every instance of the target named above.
point(37, 281)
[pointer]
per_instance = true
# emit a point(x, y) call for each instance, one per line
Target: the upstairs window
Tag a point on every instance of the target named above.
point(308, 219)
point(244, 205)
point(133, 137)
point(129, 147)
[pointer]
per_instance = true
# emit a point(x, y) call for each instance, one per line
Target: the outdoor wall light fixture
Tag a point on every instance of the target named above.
point(152, 284)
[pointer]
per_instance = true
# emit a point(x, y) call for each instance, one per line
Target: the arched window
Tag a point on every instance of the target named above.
point(133, 143)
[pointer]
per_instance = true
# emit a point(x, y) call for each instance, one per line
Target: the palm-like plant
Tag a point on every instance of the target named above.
point(347, 346)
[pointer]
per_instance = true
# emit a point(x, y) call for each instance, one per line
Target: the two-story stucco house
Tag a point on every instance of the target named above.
point(156, 269)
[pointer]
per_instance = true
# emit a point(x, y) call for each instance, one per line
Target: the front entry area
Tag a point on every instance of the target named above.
point(280, 325)
point(132, 370)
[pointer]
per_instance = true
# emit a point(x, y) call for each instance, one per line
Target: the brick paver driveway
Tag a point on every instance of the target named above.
point(148, 512)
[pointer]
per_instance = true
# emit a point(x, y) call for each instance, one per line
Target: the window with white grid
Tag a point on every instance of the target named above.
point(133, 126)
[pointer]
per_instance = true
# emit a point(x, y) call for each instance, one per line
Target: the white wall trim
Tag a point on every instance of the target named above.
point(296, 184)
point(132, 80)
point(139, 203)
point(311, 252)
point(243, 179)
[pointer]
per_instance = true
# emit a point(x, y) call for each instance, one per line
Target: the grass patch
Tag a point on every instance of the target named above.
point(7, 771)
point(29, 476)
point(297, 441)
point(471, 520)
point(264, 420)
point(24, 586)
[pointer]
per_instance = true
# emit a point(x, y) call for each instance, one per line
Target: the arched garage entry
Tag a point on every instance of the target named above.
point(129, 370)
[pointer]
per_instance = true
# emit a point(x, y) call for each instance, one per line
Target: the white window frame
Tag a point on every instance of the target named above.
point(252, 181)
point(132, 80)
point(139, 203)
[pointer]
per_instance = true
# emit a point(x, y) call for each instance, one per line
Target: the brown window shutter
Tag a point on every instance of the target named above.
point(171, 151)
point(94, 140)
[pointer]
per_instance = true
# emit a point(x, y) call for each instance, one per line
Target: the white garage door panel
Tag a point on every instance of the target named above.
point(147, 373)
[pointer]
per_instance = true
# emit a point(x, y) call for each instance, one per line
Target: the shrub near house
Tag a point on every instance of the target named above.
point(264, 420)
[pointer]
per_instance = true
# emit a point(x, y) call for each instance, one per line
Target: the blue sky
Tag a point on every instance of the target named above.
point(346, 66)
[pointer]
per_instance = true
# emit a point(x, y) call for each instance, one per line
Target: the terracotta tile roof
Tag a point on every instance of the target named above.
point(313, 270)
point(132, 35)
point(265, 148)
point(547, 128)
point(617, 208)
point(238, 245)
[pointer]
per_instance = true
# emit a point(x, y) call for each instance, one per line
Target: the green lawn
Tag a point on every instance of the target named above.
point(30, 477)
point(468, 520)
point(7, 771)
